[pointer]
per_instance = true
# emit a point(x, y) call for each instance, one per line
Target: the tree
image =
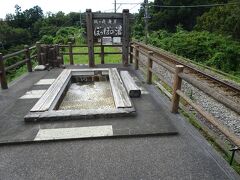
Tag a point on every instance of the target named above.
point(223, 20)
point(58, 19)
point(138, 27)
point(10, 36)
point(169, 18)
point(25, 19)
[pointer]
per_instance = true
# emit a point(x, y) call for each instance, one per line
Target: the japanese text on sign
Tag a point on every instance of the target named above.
point(107, 27)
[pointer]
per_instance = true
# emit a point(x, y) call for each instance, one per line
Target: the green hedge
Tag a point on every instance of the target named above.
point(217, 51)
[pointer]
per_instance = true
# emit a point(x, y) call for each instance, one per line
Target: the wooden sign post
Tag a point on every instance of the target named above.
point(125, 37)
point(89, 18)
point(101, 25)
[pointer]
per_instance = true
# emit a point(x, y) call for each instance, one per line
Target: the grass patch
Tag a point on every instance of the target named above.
point(83, 59)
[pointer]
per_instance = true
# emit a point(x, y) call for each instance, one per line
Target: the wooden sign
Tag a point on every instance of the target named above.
point(108, 27)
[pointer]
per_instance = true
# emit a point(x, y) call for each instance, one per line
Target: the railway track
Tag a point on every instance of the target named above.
point(229, 90)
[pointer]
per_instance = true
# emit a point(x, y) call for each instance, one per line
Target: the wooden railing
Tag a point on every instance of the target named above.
point(42, 54)
point(26, 60)
point(179, 75)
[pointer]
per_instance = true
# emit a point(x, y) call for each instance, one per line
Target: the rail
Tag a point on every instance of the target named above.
point(177, 69)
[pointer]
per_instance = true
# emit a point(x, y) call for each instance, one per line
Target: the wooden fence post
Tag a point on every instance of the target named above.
point(58, 58)
point(70, 53)
point(131, 51)
point(176, 86)
point(3, 78)
point(43, 57)
point(61, 54)
point(57, 49)
point(125, 37)
point(38, 47)
point(28, 57)
point(102, 53)
point(136, 57)
point(149, 67)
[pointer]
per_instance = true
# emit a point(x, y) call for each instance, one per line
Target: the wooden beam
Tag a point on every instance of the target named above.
point(16, 65)
point(55, 90)
point(120, 95)
point(132, 89)
point(13, 54)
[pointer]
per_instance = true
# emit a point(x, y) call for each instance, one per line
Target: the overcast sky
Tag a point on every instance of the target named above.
point(7, 6)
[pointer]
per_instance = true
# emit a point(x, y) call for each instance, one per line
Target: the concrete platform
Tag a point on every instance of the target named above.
point(186, 155)
point(150, 118)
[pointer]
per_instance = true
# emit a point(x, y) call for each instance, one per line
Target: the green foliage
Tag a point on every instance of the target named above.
point(169, 18)
point(35, 25)
point(47, 30)
point(223, 20)
point(47, 39)
point(65, 35)
point(25, 19)
point(10, 36)
point(58, 19)
point(213, 50)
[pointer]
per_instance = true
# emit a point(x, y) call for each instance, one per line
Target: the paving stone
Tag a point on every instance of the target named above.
point(34, 94)
point(74, 133)
point(45, 81)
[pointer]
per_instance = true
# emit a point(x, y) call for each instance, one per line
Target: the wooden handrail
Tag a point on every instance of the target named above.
point(210, 118)
point(16, 64)
point(42, 57)
point(211, 92)
point(13, 54)
point(27, 60)
point(179, 75)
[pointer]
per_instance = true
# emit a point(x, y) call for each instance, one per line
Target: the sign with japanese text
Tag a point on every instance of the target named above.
point(108, 27)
